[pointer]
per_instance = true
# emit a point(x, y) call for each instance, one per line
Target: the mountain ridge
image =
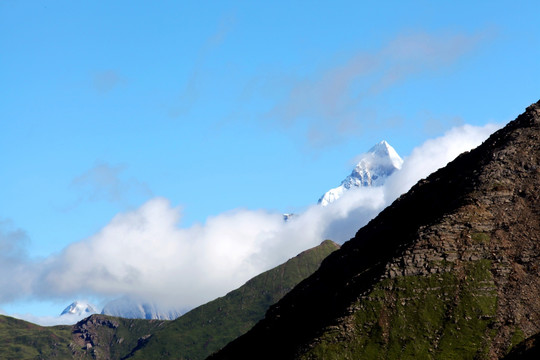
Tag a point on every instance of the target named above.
point(194, 336)
point(459, 231)
point(235, 313)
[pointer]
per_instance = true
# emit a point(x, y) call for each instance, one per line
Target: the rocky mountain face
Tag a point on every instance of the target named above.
point(451, 270)
point(105, 337)
point(371, 170)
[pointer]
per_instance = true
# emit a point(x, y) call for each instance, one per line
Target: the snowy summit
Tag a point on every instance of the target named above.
point(78, 309)
point(372, 170)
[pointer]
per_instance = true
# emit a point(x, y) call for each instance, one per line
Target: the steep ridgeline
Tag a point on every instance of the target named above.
point(449, 271)
point(192, 336)
point(372, 169)
point(209, 327)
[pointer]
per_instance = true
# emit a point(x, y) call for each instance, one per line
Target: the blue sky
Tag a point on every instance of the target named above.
point(231, 105)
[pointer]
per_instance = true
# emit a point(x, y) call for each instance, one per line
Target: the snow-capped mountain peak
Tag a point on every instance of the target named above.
point(79, 308)
point(134, 308)
point(372, 169)
point(384, 150)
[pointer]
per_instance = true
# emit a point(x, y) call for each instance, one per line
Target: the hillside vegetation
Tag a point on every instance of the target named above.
point(192, 336)
point(211, 326)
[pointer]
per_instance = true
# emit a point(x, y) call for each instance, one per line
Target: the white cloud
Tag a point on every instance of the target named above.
point(435, 154)
point(144, 253)
point(17, 269)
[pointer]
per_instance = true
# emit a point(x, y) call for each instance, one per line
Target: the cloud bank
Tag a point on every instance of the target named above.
point(144, 253)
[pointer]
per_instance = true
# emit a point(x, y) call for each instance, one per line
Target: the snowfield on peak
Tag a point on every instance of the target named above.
point(373, 169)
point(79, 308)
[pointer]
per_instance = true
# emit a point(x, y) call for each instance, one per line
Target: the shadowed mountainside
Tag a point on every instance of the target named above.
point(449, 270)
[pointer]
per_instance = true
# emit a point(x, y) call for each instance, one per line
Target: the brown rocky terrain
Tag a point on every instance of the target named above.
point(450, 270)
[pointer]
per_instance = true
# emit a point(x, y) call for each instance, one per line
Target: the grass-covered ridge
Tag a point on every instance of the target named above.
point(23, 340)
point(209, 327)
point(193, 336)
point(439, 316)
point(97, 337)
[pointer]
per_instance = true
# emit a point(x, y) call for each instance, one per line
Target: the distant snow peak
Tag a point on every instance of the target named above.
point(79, 308)
point(372, 169)
point(133, 308)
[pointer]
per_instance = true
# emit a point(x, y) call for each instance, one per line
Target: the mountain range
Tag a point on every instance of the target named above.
point(450, 270)
point(194, 335)
point(372, 169)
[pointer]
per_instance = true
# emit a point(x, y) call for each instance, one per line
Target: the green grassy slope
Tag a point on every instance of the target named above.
point(440, 316)
point(192, 336)
point(209, 327)
point(96, 337)
point(23, 340)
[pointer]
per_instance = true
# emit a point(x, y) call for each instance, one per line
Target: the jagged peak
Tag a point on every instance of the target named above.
point(382, 146)
point(371, 169)
point(382, 150)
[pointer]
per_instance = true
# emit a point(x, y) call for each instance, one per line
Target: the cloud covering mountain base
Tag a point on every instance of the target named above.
point(144, 253)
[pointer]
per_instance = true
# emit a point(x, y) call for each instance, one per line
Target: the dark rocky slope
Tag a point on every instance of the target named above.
point(449, 270)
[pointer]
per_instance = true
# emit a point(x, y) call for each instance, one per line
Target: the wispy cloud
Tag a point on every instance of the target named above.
point(107, 80)
point(105, 182)
point(334, 102)
point(145, 254)
point(190, 92)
